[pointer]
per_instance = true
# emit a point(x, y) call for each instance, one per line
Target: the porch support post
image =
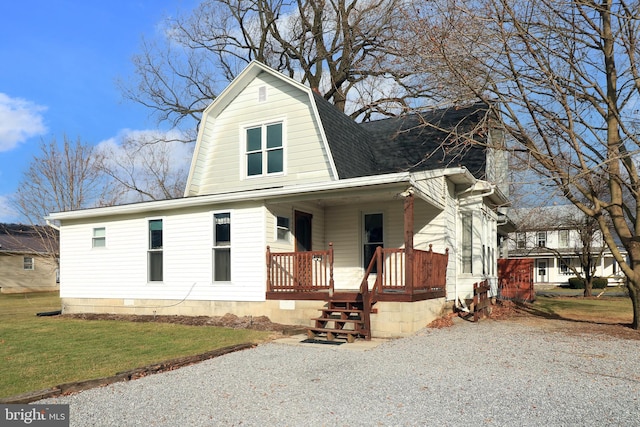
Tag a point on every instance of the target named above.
point(408, 242)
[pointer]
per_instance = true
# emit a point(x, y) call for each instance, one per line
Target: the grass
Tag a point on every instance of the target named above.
point(597, 310)
point(41, 352)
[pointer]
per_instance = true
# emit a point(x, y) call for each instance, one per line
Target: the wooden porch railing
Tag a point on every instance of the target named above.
point(428, 272)
point(300, 271)
point(313, 271)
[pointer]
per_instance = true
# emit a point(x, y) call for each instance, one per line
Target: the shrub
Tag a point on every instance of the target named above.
point(597, 283)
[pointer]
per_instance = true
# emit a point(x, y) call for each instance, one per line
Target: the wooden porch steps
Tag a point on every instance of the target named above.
point(344, 318)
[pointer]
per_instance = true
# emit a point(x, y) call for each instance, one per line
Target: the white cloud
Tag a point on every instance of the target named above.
point(19, 120)
point(7, 213)
point(179, 152)
point(153, 161)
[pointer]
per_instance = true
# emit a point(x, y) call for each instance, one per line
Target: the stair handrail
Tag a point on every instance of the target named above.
point(376, 261)
point(369, 298)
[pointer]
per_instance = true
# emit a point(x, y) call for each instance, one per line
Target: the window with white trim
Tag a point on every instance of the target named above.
point(264, 150)
point(155, 268)
point(283, 228)
point(542, 239)
point(563, 238)
point(28, 263)
point(467, 243)
point(99, 239)
point(222, 247)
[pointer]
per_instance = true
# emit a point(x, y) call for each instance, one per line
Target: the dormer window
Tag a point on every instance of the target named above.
point(264, 150)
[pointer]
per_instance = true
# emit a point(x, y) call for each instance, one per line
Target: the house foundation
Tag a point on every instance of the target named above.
point(393, 319)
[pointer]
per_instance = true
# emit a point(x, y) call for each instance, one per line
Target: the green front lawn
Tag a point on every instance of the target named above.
point(598, 310)
point(41, 352)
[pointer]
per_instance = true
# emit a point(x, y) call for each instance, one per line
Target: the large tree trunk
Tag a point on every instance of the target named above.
point(588, 286)
point(634, 294)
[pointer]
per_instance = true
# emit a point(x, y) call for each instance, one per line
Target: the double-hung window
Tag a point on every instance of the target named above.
point(467, 243)
point(264, 150)
point(155, 250)
point(27, 263)
point(222, 247)
point(282, 228)
point(99, 239)
point(563, 238)
point(542, 239)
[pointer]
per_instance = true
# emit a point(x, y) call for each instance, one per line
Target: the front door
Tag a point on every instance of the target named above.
point(542, 271)
point(302, 232)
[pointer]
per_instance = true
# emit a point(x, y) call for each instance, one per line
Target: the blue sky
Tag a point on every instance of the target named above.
point(60, 60)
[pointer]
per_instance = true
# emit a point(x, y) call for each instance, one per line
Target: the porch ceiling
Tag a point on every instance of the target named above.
point(360, 195)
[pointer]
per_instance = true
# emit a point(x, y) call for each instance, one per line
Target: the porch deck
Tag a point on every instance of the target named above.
point(393, 275)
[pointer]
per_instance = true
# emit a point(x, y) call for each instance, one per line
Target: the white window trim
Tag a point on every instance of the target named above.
point(243, 157)
point(149, 250)
point(33, 263)
point(471, 244)
point(212, 235)
point(278, 228)
point(94, 238)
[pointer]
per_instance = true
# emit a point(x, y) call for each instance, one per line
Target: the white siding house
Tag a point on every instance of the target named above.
point(286, 203)
point(551, 236)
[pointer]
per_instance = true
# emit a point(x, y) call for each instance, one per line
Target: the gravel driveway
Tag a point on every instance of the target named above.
point(497, 373)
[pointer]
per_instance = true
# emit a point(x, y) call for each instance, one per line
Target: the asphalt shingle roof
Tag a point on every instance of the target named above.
point(410, 143)
point(16, 238)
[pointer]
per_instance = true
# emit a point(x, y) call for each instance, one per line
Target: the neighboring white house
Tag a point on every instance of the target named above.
point(551, 236)
point(277, 166)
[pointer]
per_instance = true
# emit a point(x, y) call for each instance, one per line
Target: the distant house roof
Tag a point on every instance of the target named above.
point(18, 238)
point(547, 217)
point(409, 143)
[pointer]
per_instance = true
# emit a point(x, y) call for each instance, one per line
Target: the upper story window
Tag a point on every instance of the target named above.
point(264, 150)
point(542, 239)
point(563, 238)
point(27, 263)
point(99, 239)
point(521, 241)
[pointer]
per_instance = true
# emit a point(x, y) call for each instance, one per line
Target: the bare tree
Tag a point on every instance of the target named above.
point(345, 48)
point(146, 166)
point(61, 177)
point(564, 76)
point(583, 242)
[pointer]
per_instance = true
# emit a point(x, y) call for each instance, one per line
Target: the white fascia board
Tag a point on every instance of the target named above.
point(263, 194)
point(213, 199)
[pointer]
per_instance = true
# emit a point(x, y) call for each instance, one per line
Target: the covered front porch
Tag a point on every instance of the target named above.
point(393, 275)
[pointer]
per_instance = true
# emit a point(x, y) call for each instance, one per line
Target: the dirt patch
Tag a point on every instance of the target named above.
point(259, 323)
point(503, 310)
point(525, 313)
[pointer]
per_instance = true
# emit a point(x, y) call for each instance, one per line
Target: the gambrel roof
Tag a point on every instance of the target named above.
point(431, 140)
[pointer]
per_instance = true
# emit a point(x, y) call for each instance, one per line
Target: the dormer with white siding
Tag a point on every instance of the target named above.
point(265, 130)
